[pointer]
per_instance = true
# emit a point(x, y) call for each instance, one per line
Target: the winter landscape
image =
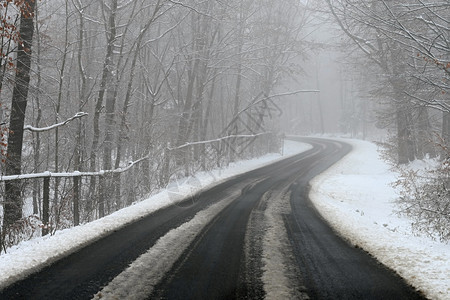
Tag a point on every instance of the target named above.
point(224, 149)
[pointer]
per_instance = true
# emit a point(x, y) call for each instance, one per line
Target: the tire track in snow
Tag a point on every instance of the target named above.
point(139, 279)
point(281, 277)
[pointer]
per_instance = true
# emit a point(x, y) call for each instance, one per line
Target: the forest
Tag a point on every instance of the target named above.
point(105, 102)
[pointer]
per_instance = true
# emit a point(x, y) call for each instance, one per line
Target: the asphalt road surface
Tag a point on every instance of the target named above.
point(267, 240)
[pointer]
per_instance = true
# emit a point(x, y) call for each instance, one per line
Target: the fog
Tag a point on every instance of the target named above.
point(116, 99)
point(328, 82)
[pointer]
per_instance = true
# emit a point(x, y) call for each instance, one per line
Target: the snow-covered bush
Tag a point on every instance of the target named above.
point(23, 229)
point(425, 197)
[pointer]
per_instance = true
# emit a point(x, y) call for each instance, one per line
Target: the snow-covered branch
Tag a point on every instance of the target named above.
point(51, 127)
point(219, 140)
point(432, 103)
point(363, 44)
point(74, 173)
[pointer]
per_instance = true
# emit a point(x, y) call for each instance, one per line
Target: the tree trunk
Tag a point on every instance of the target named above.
point(237, 93)
point(445, 132)
point(13, 204)
point(319, 99)
point(110, 108)
point(232, 147)
point(186, 114)
point(58, 108)
point(98, 107)
point(36, 136)
point(403, 114)
point(206, 120)
point(83, 96)
point(424, 144)
point(406, 147)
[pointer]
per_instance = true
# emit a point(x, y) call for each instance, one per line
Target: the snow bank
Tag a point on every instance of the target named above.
point(356, 198)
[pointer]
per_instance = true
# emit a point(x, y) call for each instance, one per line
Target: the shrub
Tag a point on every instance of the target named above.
point(425, 198)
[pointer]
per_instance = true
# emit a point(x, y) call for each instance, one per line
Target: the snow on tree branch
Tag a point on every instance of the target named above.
point(42, 129)
point(220, 139)
point(74, 173)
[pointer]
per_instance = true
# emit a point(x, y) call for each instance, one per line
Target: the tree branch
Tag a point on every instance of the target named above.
point(220, 139)
point(42, 129)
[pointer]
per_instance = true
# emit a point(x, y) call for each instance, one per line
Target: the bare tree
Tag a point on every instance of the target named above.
point(370, 27)
point(13, 203)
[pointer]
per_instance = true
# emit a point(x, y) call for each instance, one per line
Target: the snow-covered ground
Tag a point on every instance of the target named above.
point(32, 255)
point(356, 197)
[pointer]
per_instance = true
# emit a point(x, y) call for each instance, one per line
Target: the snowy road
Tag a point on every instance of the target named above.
point(254, 236)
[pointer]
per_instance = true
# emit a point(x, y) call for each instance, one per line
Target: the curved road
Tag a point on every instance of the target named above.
point(254, 236)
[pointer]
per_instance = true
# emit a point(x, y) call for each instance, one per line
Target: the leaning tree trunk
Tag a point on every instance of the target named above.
point(13, 204)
